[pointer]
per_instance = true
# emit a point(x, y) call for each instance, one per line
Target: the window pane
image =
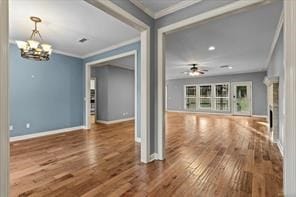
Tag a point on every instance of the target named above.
point(205, 102)
point(242, 101)
point(222, 90)
point(191, 103)
point(205, 91)
point(191, 91)
point(222, 104)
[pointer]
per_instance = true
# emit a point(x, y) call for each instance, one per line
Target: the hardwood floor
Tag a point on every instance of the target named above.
point(207, 155)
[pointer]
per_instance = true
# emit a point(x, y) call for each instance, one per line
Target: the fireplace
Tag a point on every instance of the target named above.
point(270, 119)
point(272, 84)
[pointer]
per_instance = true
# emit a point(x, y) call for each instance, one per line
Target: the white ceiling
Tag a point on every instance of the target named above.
point(160, 8)
point(242, 40)
point(67, 21)
point(127, 62)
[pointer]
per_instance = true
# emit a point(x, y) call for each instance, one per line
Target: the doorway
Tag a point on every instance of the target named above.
point(93, 100)
point(242, 98)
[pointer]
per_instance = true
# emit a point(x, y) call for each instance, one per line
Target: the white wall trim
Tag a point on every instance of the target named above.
point(211, 113)
point(138, 140)
point(112, 47)
point(222, 74)
point(290, 101)
point(186, 23)
point(87, 84)
point(143, 8)
point(4, 100)
point(166, 11)
point(116, 121)
point(280, 147)
point(45, 133)
point(275, 39)
point(237, 5)
point(176, 7)
point(153, 157)
point(260, 116)
point(128, 67)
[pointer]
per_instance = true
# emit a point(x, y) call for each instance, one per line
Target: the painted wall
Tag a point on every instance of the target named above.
point(130, 47)
point(48, 95)
point(175, 89)
point(115, 92)
point(276, 68)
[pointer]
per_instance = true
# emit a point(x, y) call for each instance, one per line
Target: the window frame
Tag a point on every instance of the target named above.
point(211, 97)
point(186, 97)
point(215, 97)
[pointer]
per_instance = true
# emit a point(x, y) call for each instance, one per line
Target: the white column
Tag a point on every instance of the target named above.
point(290, 85)
point(4, 134)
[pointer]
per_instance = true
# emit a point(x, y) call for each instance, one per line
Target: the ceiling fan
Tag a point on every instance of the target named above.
point(195, 71)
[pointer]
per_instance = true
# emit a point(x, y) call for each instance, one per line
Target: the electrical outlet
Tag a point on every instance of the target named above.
point(28, 125)
point(10, 127)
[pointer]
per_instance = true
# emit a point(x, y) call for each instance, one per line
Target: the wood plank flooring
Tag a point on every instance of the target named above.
point(207, 155)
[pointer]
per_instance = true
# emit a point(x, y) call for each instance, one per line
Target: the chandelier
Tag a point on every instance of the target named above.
point(33, 49)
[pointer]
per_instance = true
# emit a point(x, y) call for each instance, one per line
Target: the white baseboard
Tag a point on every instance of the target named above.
point(45, 133)
point(279, 145)
point(201, 112)
point(115, 121)
point(153, 157)
point(259, 116)
point(138, 139)
point(212, 113)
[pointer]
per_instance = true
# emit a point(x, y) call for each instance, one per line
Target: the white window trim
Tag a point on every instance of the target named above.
point(199, 97)
point(185, 96)
point(229, 97)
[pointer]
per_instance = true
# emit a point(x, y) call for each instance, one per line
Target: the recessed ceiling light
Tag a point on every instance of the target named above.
point(212, 48)
point(229, 67)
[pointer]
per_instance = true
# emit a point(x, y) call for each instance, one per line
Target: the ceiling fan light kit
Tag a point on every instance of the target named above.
point(33, 49)
point(195, 71)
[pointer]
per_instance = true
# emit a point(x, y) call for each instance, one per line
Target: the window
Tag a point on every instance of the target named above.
point(221, 97)
point(205, 96)
point(190, 97)
point(210, 97)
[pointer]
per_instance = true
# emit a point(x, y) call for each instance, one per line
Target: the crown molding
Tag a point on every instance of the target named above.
point(112, 47)
point(275, 39)
point(221, 74)
point(176, 7)
point(143, 8)
point(169, 10)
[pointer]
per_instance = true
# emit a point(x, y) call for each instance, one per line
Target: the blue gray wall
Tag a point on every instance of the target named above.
point(48, 95)
point(115, 89)
point(276, 69)
point(175, 89)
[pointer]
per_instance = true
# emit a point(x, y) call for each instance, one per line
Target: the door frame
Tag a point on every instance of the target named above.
point(233, 84)
point(177, 26)
point(88, 77)
point(114, 10)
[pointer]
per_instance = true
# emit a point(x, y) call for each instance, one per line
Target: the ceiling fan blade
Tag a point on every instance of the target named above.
point(200, 72)
point(204, 70)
